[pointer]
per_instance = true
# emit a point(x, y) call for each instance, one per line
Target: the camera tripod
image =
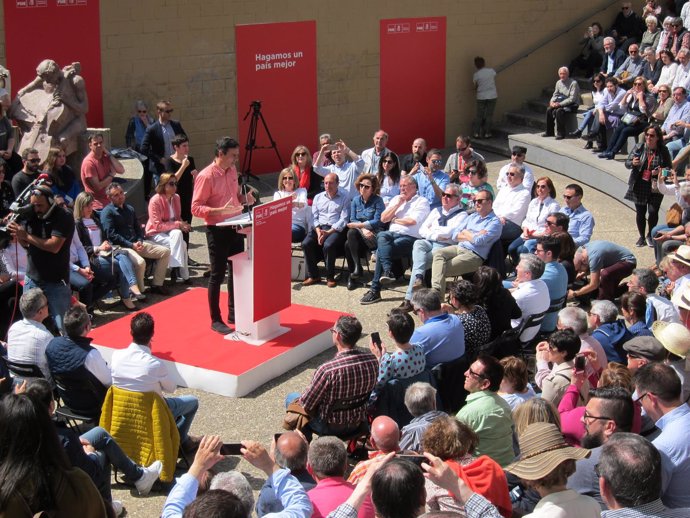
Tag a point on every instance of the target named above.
point(250, 146)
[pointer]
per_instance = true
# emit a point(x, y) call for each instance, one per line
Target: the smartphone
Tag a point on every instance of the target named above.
point(332, 147)
point(231, 448)
point(415, 459)
point(580, 362)
point(376, 338)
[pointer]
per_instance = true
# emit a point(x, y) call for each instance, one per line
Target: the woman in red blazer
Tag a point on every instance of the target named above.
point(166, 226)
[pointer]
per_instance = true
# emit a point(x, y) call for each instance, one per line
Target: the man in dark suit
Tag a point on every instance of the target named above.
point(157, 143)
point(613, 58)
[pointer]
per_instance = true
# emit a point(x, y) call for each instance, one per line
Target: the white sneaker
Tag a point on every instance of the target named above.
point(117, 507)
point(149, 477)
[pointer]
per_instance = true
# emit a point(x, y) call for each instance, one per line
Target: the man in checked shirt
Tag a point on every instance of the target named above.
point(337, 397)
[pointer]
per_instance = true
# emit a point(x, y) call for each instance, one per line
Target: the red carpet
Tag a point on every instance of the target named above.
point(183, 334)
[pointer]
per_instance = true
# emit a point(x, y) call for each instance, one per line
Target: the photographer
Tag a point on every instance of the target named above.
point(47, 236)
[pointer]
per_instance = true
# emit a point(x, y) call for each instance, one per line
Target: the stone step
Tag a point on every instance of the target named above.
point(527, 118)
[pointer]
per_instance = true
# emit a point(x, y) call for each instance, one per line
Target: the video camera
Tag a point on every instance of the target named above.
point(21, 207)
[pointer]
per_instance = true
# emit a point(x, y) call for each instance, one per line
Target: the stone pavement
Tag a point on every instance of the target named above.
point(258, 416)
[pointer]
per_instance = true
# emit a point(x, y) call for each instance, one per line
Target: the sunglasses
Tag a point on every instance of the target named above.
point(302, 153)
point(542, 186)
point(449, 195)
point(566, 197)
point(510, 174)
point(364, 186)
point(142, 111)
point(389, 161)
point(437, 162)
point(166, 111)
point(480, 200)
point(172, 184)
point(34, 160)
point(289, 178)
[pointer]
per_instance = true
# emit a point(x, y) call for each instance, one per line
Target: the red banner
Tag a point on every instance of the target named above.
point(271, 257)
point(276, 64)
point(62, 30)
point(413, 80)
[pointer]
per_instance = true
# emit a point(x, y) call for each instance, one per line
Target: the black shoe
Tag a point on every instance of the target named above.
point(191, 262)
point(173, 275)
point(220, 327)
point(640, 242)
point(406, 306)
point(358, 273)
point(231, 317)
point(559, 137)
point(575, 134)
point(352, 284)
point(387, 278)
point(589, 145)
point(547, 135)
point(207, 273)
point(160, 290)
point(370, 297)
point(139, 296)
point(650, 242)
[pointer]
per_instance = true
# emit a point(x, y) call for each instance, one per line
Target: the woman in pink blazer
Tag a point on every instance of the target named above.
point(166, 226)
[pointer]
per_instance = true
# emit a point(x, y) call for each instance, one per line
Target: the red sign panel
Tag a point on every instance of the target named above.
point(413, 80)
point(62, 30)
point(276, 64)
point(271, 257)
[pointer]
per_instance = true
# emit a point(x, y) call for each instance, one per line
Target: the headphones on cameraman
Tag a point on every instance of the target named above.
point(50, 196)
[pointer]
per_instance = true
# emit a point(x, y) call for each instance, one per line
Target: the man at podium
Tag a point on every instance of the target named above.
point(216, 198)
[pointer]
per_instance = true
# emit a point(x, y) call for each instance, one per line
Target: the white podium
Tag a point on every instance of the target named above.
point(257, 311)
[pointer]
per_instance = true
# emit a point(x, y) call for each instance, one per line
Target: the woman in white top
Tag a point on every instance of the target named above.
point(534, 223)
point(668, 71)
point(515, 389)
point(287, 183)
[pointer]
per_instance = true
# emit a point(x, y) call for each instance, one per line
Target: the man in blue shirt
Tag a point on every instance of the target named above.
point(326, 240)
point(607, 264)
point(581, 224)
point(556, 278)
point(442, 336)
point(431, 180)
point(475, 235)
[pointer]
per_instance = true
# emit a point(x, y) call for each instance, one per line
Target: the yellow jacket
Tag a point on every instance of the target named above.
point(143, 426)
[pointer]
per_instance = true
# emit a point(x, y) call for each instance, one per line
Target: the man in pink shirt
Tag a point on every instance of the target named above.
point(216, 198)
point(98, 169)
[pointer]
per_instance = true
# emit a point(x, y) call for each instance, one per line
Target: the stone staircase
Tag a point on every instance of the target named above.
point(524, 127)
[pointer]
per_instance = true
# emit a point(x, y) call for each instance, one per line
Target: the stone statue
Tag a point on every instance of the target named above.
point(51, 110)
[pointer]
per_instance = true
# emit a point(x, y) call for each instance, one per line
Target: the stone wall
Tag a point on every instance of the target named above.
point(184, 50)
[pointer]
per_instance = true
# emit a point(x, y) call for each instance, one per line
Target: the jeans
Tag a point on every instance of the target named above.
point(127, 269)
point(108, 451)
point(184, 409)
point(298, 233)
point(621, 134)
point(485, 114)
point(675, 146)
point(332, 247)
point(59, 297)
point(422, 252)
point(587, 121)
point(514, 249)
point(658, 255)
point(390, 246)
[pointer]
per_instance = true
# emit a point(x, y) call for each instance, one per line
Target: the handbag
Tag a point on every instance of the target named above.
point(630, 119)
point(296, 417)
point(674, 215)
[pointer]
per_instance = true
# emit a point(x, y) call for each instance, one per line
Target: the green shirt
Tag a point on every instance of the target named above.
point(489, 416)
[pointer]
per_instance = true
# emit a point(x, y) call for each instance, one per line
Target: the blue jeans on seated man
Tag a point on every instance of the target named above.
point(183, 409)
point(298, 233)
point(316, 424)
point(59, 297)
point(422, 254)
point(391, 246)
point(109, 452)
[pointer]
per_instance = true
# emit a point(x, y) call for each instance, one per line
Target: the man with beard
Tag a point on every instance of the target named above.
point(609, 411)
point(29, 173)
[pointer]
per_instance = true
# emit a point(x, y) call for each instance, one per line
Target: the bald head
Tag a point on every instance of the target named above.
point(385, 434)
point(291, 451)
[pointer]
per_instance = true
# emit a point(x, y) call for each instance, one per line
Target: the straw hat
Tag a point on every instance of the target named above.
point(674, 337)
point(682, 255)
point(542, 449)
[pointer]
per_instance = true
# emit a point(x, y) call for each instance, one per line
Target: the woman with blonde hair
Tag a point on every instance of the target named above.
point(165, 226)
point(287, 188)
point(303, 169)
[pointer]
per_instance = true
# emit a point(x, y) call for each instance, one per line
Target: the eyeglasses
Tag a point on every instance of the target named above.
point(34, 160)
point(588, 416)
point(301, 153)
point(364, 186)
point(172, 184)
point(481, 200)
point(510, 174)
point(388, 161)
point(437, 162)
point(475, 374)
point(566, 197)
point(539, 250)
point(625, 8)
point(551, 223)
point(542, 186)
point(638, 83)
point(142, 111)
point(664, 91)
point(449, 195)
point(473, 172)
point(289, 178)
point(518, 154)
point(166, 111)
point(641, 397)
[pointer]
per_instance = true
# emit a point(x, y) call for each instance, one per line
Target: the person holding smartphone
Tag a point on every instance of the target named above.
point(405, 361)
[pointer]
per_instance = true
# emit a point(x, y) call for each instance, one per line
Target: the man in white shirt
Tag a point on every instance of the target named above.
point(28, 338)
point(678, 270)
point(435, 233)
point(347, 172)
point(519, 154)
point(405, 213)
point(136, 369)
point(511, 204)
point(372, 156)
point(645, 282)
point(683, 73)
point(530, 293)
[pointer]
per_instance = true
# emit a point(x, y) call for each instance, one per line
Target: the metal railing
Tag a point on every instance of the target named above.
point(555, 35)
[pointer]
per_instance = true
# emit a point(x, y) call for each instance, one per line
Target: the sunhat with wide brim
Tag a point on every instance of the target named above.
point(674, 337)
point(682, 255)
point(542, 449)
